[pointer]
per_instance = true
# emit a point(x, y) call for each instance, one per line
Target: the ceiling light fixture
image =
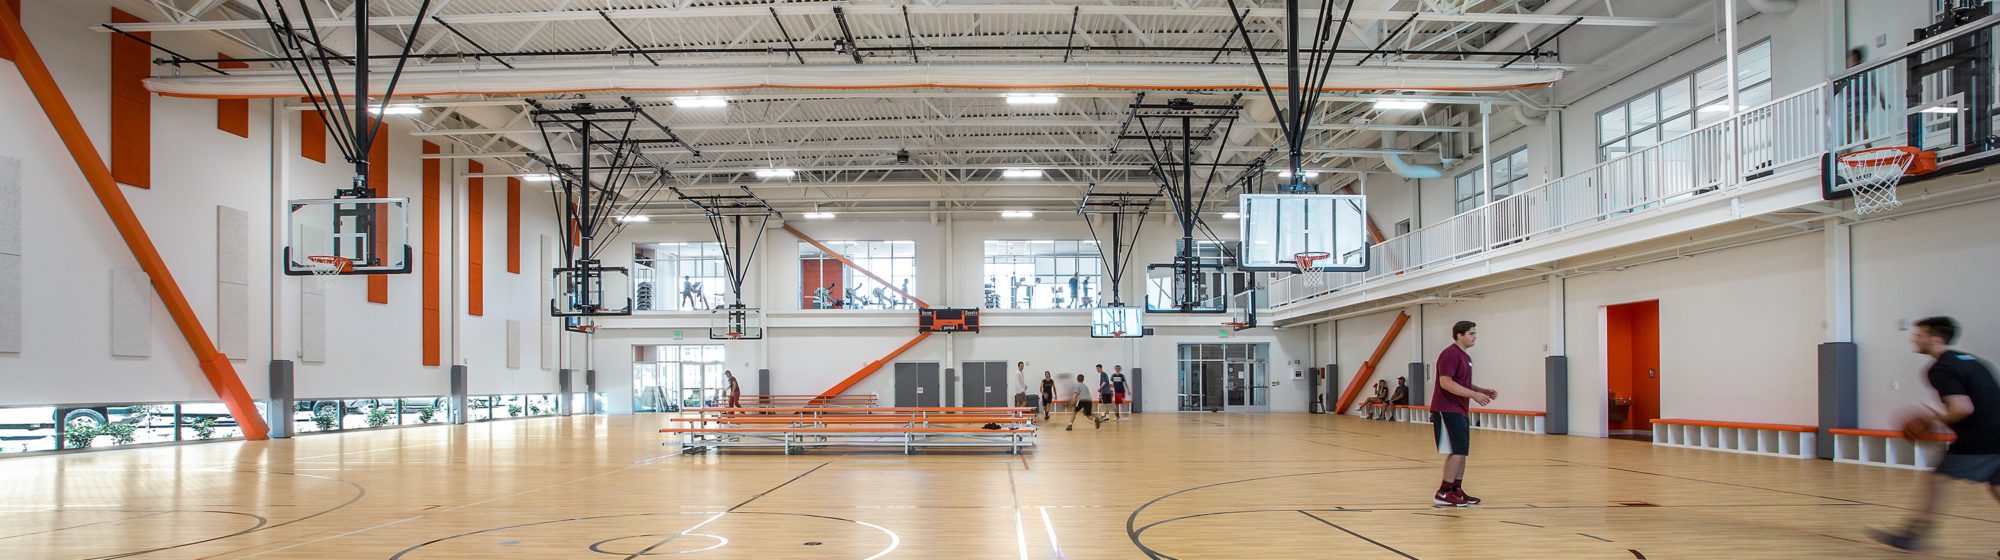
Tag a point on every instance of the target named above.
point(701, 102)
point(1288, 174)
point(1017, 214)
point(1021, 173)
point(1033, 99)
point(635, 218)
point(1401, 104)
point(1231, 216)
point(1940, 110)
point(819, 215)
point(776, 173)
point(538, 178)
point(396, 110)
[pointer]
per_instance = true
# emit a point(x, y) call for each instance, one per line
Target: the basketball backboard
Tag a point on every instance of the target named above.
point(1204, 289)
point(372, 233)
point(735, 323)
point(592, 291)
point(1275, 227)
point(1117, 322)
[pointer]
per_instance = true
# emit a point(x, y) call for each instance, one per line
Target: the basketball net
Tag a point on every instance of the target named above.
point(1314, 277)
point(1117, 334)
point(1872, 175)
point(327, 268)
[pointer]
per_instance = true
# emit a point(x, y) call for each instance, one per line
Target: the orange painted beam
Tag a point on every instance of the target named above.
point(1368, 368)
point(872, 367)
point(214, 365)
point(850, 264)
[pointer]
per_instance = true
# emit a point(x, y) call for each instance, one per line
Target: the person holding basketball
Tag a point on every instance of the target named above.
point(1971, 398)
point(1080, 404)
point(1048, 394)
point(1449, 409)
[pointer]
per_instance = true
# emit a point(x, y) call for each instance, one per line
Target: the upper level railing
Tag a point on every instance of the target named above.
point(1756, 142)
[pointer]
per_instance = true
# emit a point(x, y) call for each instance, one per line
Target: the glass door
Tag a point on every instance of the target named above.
point(1249, 385)
point(668, 378)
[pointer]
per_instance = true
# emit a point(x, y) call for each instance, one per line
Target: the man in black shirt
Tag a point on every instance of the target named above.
point(1971, 400)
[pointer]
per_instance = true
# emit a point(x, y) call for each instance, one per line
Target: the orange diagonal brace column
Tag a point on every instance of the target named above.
point(850, 264)
point(871, 368)
point(214, 365)
point(1368, 368)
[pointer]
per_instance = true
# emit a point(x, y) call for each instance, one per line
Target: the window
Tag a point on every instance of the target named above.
point(1060, 274)
point(1402, 228)
point(1684, 103)
point(678, 276)
point(827, 283)
point(672, 377)
point(1510, 175)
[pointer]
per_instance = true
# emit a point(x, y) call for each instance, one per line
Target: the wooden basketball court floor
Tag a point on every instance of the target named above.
point(1177, 485)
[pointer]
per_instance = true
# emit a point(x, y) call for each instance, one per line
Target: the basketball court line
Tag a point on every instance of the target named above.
point(1358, 535)
point(780, 486)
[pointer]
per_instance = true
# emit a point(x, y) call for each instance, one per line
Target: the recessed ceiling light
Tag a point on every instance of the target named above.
point(1401, 104)
point(396, 110)
point(1231, 216)
point(1017, 214)
point(819, 215)
point(701, 102)
point(1021, 173)
point(1033, 99)
point(776, 173)
point(538, 177)
point(635, 218)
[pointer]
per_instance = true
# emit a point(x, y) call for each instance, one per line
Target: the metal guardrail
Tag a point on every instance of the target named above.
point(1720, 156)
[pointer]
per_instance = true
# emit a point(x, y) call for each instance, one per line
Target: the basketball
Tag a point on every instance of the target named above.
point(1916, 428)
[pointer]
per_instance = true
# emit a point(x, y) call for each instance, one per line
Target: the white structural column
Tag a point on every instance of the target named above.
point(1556, 368)
point(1839, 280)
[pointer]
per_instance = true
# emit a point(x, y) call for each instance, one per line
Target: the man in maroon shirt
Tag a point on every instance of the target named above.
point(1449, 410)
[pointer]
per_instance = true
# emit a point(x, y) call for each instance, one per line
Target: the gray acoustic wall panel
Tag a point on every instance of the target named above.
point(232, 282)
point(10, 255)
point(10, 303)
point(513, 344)
point(312, 327)
point(131, 313)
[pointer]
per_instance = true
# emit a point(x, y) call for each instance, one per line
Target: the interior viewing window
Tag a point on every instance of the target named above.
point(1690, 101)
point(678, 276)
point(827, 283)
point(1042, 274)
point(669, 378)
point(1402, 228)
point(1510, 175)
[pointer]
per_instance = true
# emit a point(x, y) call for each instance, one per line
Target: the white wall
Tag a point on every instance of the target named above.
point(70, 248)
point(1513, 343)
point(1941, 262)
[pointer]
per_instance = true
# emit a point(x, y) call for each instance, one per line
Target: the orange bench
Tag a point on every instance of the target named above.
point(805, 431)
point(1887, 448)
point(1781, 440)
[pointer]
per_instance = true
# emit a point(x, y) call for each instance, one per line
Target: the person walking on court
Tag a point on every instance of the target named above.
point(1080, 404)
point(1971, 400)
point(1119, 407)
point(1449, 409)
point(1103, 387)
point(734, 392)
point(1048, 394)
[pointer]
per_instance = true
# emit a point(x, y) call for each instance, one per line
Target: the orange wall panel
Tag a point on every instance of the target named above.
point(312, 136)
point(378, 179)
point(232, 115)
point(131, 106)
point(475, 241)
point(514, 225)
point(433, 201)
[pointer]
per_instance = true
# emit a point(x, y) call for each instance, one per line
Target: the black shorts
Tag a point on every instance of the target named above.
point(1083, 406)
point(1104, 398)
point(1983, 469)
point(1453, 433)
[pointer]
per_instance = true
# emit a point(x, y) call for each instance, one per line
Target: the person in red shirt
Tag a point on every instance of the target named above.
point(1449, 409)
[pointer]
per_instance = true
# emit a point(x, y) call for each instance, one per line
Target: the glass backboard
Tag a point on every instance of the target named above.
point(372, 233)
point(1276, 227)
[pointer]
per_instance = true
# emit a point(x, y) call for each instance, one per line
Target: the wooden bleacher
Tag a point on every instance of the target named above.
point(798, 429)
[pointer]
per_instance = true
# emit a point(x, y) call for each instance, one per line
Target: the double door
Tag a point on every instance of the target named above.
point(917, 384)
point(984, 384)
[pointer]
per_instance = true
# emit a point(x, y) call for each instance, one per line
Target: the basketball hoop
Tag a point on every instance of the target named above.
point(587, 329)
point(326, 268)
point(1314, 277)
point(1872, 174)
point(1117, 334)
point(1237, 326)
point(733, 335)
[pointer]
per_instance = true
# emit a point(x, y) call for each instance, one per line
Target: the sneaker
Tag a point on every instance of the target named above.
point(1902, 540)
point(1447, 498)
point(1071, 428)
point(1469, 500)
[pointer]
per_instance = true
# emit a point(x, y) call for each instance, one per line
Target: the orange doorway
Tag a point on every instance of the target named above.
point(1632, 368)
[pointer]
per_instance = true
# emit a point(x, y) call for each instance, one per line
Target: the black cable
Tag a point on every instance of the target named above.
point(1254, 61)
point(397, 75)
